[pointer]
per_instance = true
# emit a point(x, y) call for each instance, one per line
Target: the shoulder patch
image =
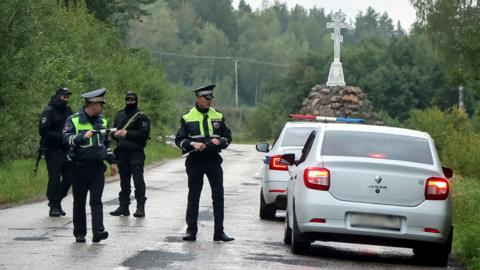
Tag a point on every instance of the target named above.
point(44, 120)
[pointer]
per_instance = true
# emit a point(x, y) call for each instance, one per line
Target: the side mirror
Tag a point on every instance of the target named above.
point(447, 172)
point(288, 159)
point(262, 147)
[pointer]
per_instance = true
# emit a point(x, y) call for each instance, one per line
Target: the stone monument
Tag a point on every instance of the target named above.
point(336, 99)
point(335, 76)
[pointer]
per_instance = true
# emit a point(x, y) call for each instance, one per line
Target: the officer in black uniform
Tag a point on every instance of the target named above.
point(202, 134)
point(59, 170)
point(86, 133)
point(132, 135)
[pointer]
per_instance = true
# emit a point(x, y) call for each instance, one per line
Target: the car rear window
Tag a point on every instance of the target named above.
point(376, 145)
point(296, 136)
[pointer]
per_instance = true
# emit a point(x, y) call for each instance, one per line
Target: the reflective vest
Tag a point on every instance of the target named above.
point(82, 128)
point(202, 125)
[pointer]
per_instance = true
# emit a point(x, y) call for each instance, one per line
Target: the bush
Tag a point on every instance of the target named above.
point(455, 138)
point(43, 46)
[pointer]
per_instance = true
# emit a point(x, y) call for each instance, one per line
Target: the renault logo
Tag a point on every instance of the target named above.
point(378, 178)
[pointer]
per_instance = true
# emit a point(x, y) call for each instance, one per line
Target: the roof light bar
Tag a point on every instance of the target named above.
point(325, 119)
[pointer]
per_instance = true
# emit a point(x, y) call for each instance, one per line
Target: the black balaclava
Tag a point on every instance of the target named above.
point(57, 101)
point(131, 107)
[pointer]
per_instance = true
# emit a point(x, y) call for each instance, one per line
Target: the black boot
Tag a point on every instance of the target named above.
point(61, 210)
point(54, 211)
point(222, 237)
point(140, 212)
point(189, 236)
point(122, 210)
point(97, 237)
point(80, 239)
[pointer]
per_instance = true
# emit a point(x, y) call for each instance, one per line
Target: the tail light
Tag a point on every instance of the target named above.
point(317, 178)
point(436, 189)
point(276, 165)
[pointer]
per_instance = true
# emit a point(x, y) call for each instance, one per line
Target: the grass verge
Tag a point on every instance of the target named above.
point(18, 185)
point(466, 213)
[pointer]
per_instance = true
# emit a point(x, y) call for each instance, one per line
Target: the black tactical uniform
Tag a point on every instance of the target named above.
point(88, 157)
point(130, 155)
point(204, 125)
point(59, 169)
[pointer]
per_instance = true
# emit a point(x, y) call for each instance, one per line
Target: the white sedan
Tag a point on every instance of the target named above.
point(274, 175)
point(373, 185)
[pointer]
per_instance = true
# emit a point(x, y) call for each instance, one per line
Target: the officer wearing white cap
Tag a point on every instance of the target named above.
point(50, 128)
point(202, 134)
point(89, 148)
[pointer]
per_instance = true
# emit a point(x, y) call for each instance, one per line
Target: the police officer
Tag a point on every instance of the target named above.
point(202, 134)
point(50, 128)
point(132, 135)
point(85, 132)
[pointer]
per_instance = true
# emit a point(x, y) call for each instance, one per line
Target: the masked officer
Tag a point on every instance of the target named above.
point(50, 128)
point(89, 147)
point(132, 135)
point(202, 134)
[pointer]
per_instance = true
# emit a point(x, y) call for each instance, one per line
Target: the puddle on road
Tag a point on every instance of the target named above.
point(156, 259)
point(152, 188)
point(173, 239)
point(205, 215)
point(266, 257)
point(250, 184)
point(32, 238)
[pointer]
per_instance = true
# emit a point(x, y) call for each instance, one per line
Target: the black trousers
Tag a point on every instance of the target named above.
point(59, 175)
point(130, 165)
point(197, 166)
point(88, 178)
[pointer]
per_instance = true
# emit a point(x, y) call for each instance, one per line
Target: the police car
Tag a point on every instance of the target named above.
point(369, 184)
point(274, 175)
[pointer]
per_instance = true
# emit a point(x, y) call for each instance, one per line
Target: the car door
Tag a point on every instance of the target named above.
point(296, 171)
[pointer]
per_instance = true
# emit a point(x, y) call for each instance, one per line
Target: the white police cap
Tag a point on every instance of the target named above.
point(95, 96)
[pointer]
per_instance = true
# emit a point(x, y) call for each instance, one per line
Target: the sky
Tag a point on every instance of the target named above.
point(398, 10)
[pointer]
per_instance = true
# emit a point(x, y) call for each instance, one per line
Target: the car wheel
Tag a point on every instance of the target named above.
point(435, 255)
point(300, 244)
point(287, 236)
point(266, 211)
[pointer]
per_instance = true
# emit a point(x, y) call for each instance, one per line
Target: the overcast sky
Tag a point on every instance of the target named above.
point(398, 10)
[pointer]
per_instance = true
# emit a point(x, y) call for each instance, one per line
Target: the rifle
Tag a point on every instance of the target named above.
point(71, 154)
point(194, 150)
point(40, 153)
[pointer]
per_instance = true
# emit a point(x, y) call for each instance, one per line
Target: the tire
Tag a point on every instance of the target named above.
point(300, 244)
point(287, 236)
point(266, 211)
point(435, 255)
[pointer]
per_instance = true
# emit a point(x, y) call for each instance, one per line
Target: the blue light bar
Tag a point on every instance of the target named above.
point(350, 120)
point(326, 119)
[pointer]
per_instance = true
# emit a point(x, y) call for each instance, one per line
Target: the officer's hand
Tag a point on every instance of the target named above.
point(216, 141)
point(199, 146)
point(113, 169)
point(88, 134)
point(120, 133)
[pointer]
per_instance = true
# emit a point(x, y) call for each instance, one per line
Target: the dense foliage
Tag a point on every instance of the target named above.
point(198, 42)
point(44, 45)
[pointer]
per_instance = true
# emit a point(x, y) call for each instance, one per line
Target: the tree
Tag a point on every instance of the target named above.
point(453, 26)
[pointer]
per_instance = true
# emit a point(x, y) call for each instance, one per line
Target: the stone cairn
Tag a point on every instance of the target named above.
point(339, 101)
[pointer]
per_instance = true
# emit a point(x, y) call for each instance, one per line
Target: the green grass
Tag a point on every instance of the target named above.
point(18, 185)
point(466, 208)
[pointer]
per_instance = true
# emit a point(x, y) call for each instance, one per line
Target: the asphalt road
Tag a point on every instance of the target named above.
point(32, 240)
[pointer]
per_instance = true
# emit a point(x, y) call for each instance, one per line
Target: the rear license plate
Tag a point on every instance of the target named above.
point(375, 221)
